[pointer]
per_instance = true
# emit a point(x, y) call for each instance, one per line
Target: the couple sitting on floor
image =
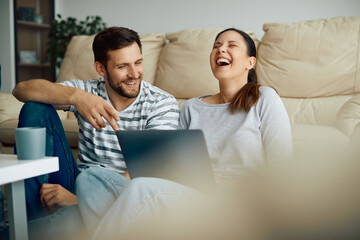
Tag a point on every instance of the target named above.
point(245, 126)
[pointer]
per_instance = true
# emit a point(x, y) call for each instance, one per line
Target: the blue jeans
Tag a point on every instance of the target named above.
point(110, 204)
point(2, 215)
point(65, 223)
point(97, 189)
point(35, 114)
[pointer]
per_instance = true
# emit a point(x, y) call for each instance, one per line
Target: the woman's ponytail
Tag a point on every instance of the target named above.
point(247, 96)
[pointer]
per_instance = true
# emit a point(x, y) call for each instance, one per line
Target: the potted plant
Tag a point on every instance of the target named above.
point(61, 32)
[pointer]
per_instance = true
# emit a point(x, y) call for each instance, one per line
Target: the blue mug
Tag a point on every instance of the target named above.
point(30, 142)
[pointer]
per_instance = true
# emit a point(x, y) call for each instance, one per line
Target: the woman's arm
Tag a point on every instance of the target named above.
point(275, 127)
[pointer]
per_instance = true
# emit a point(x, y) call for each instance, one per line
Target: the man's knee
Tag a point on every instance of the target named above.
point(96, 177)
point(36, 107)
point(153, 186)
point(91, 174)
point(141, 183)
point(85, 180)
point(35, 114)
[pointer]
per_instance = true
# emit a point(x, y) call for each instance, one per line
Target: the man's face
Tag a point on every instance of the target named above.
point(124, 71)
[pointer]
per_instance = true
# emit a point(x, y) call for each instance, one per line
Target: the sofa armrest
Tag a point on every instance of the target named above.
point(348, 117)
point(356, 137)
point(9, 107)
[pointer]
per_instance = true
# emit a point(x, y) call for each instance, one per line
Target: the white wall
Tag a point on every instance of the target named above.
point(7, 46)
point(173, 15)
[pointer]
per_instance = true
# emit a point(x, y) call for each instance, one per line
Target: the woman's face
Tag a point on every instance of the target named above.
point(229, 58)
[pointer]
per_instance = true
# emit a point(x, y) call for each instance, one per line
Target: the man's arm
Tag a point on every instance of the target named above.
point(90, 106)
point(41, 90)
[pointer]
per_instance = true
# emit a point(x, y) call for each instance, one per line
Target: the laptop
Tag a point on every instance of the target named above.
point(177, 155)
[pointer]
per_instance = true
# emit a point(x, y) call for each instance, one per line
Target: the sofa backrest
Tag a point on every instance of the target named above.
point(177, 63)
point(184, 67)
point(311, 59)
point(79, 58)
point(315, 111)
point(306, 62)
point(308, 59)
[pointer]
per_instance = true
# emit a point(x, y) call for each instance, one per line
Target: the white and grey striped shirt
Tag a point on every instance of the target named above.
point(152, 109)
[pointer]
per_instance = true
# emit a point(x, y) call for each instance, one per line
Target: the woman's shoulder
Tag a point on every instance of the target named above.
point(268, 92)
point(190, 102)
point(269, 98)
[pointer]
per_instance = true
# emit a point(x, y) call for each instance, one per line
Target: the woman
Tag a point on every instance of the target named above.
point(245, 126)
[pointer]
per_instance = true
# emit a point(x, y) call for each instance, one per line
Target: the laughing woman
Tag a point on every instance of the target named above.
point(245, 126)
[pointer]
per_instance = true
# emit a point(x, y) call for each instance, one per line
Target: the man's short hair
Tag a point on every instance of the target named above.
point(112, 39)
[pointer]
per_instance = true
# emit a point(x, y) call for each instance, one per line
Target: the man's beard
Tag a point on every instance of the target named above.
point(121, 90)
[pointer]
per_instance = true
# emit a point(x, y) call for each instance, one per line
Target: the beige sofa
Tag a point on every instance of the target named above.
point(314, 66)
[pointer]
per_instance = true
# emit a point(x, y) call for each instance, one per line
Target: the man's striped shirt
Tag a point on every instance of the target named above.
point(152, 109)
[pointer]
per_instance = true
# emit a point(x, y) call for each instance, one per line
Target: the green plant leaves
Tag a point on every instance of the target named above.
point(62, 30)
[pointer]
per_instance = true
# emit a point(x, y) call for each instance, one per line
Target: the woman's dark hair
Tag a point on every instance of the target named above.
point(248, 95)
point(112, 39)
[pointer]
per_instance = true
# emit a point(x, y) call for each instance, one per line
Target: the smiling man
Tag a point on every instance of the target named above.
point(119, 100)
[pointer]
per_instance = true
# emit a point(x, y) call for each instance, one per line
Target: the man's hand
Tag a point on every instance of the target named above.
point(94, 109)
point(54, 196)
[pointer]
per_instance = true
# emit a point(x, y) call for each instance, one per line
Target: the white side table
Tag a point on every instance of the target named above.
point(12, 173)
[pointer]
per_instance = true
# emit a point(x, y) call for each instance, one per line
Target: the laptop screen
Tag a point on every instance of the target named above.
point(177, 155)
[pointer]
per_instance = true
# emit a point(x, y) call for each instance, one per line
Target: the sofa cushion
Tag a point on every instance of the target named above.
point(9, 107)
point(79, 59)
point(9, 112)
point(7, 149)
point(184, 67)
point(7, 135)
point(348, 117)
point(317, 141)
point(71, 129)
point(319, 134)
point(315, 111)
point(312, 58)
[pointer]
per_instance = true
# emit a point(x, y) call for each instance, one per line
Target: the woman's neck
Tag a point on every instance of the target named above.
point(228, 90)
point(226, 94)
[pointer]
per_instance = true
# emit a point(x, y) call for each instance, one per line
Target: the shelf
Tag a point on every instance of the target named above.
point(33, 36)
point(45, 65)
point(33, 24)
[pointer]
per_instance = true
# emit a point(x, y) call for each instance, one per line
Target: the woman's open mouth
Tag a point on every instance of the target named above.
point(223, 61)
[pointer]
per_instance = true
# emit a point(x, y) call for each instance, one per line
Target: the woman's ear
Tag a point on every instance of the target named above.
point(100, 69)
point(251, 63)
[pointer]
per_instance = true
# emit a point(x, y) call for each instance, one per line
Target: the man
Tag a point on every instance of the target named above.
point(118, 100)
